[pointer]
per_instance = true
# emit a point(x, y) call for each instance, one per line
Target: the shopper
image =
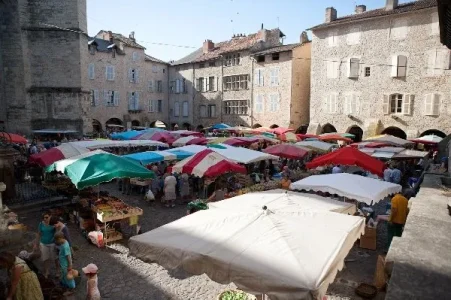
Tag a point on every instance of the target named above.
point(65, 260)
point(45, 242)
point(92, 290)
point(398, 214)
point(170, 183)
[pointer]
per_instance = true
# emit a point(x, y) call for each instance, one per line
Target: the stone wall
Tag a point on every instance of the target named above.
point(180, 72)
point(300, 86)
point(375, 48)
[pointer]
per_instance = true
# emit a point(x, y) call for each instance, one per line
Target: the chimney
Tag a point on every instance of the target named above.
point(304, 37)
point(110, 36)
point(360, 9)
point(132, 36)
point(331, 14)
point(391, 4)
point(208, 46)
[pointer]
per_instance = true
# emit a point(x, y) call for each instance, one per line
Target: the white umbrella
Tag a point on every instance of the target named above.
point(283, 255)
point(429, 139)
point(386, 138)
point(183, 140)
point(287, 201)
point(316, 144)
point(351, 186)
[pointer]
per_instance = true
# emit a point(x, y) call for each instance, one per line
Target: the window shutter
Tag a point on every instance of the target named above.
point(394, 66)
point(276, 71)
point(428, 105)
point(206, 84)
point(353, 68)
point(326, 104)
point(357, 104)
point(353, 107)
point(116, 98)
point(402, 66)
point(347, 104)
point(217, 83)
point(329, 68)
point(105, 97)
point(96, 97)
point(436, 104)
point(335, 103)
point(106, 72)
point(386, 105)
point(136, 100)
point(152, 105)
point(136, 75)
point(177, 86)
point(407, 104)
point(129, 99)
point(150, 86)
point(442, 62)
point(432, 57)
point(130, 76)
point(257, 77)
point(113, 69)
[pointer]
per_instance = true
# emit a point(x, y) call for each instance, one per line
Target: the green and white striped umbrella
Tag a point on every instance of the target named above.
point(93, 168)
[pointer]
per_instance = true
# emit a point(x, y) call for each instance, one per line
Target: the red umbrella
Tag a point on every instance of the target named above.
point(198, 141)
point(281, 130)
point(334, 137)
point(241, 141)
point(286, 151)
point(306, 136)
point(159, 136)
point(288, 137)
point(13, 138)
point(349, 156)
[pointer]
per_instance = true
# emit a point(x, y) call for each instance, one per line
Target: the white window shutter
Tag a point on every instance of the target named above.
point(257, 77)
point(442, 62)
point(151, 86)
point(105, 97)
point(353, 68)
point(436, 104)
point(394, 66)
point(335, 103)
point(217, 83)
point(402, 66)
point(357, 104)
point(336, 70)
point(106, 72)
point(137, 100)
point(428, 105)
point(432, 57)
point(326, 104)
point(136, 75)
point(386, 105)
point(277, 76)
point(130, 76)
point(329, 69)
point(116, 98)
point(114, 72)
point(206, 84)
point(346, 104)
point(407, 104)
point(353, 107)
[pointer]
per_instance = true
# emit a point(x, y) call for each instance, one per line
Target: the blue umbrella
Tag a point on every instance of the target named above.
point(149, 157)
point(311, 139)
point(220, 126)
point(126, 135)
point(181, 154)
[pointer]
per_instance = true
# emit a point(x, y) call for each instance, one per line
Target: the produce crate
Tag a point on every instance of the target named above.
point(140, 182)
point(112, 237)
point(118, 215)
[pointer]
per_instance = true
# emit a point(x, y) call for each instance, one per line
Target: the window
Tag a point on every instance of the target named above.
point(259, 106)
point(232, 60)
point(236, 82)
point(156, 106)
point(212, 111)
point(133, 101)
point(399, 29)
point(212, 64)
point(353, 37)
point(399, 66)
point(160, 86)
point(201, 84)
point(332, 39)
point(351, 104)
point(274, 104)
point(201, 66)
point(211, 83)
point(135, 56)
point(203, 111)
point(176, 109)
point(236, 107)
point(110, 73)
point(159, 106)
point(92, 49)
point(185, 109)
point(332, 67)
point(164, 70)
point(258, 77)
point(331, 103)
point(275, 56)
point(154, 69)
point(152, 106)
point(111, 98)
point(367, 71)
point(94, 97)
point(435, 28)
point(91, 74)
point(398, 104)
point(261, 58)
point(172, 86)
point(151, 86)
point(432, 105)
point(353, 68)
point(184, 89)
point(274, 76)
point(133, 75)
point(438, 62)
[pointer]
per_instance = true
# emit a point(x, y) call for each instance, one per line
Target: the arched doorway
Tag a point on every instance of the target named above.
point(395, 131)
point(357, 132)
point(158, 124)
point(113, 121)
point(175, 126)
point(96, 126)
point(136, 123)
point(187, 126)
point(328, 128)
point(199, 128)
point(257, 126)
point(302, 129)
point(434, 132)
point(274, 126)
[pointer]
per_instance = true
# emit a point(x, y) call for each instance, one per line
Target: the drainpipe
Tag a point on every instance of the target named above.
point(194, 90)
point(251, 77)
point(169, 97)
point(222, 86)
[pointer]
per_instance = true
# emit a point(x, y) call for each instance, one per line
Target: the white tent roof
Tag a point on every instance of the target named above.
point(183, 140)
point(316, 144)
point(99, 144)
point(283, 255)
point(411, 154)
point(191, 148)
point(386, 138)
point(351, 186)
point(283, 200)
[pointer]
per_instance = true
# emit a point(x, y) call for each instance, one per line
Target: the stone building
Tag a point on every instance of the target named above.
point(42, 45)
point(381, 71)
point(216, 83)
point(128, 88)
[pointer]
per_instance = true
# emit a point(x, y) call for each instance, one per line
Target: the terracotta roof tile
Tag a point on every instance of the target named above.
point(380, 12)
point(282, 48)
point(151, 58)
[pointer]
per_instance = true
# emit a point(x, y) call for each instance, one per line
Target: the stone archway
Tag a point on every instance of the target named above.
point(302, 129)
point(395, 131)
point(434, 132)
point(96, 126)
point(328, 128)
point(274, 126)
point(357, 132)
point(256, 126)
point(136, 123)
point(187, 126)
point(158, 124)
point(199, 128)
point(113, 121)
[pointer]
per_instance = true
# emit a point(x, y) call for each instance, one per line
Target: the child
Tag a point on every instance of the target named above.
point(91, 285)
point(65, 260)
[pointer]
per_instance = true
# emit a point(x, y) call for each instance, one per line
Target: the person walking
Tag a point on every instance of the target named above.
point(396, 175)
point(24, 284)
point(398, 215)
point(65, 260)
point(170, 183)
point(45, 242)
point(92, 289)
point(388, 173)
point(184, 187)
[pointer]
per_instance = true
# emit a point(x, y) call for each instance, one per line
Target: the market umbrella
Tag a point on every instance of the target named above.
point(349, 156)
point(240, 141)
point(197, 141)
point(149, 157)
point(218, 140)
point(305, 136)
point(428, 139)
point(370, 144)
point(268, 139)
point(13, 138)
point(156, 135)
point(347, 135)
point(48, 157)
point(126, 135)
point(286, 151)
point(207, 163)
point(179, 133)
point(93, 168)
point(260, 130)
point(288, 137)
point(183, 141)
point(220, 126)
point(316, 145)
point(334, 137)
point(282, 130)
point(389, 139)
point(285, 255)
point(351, 186)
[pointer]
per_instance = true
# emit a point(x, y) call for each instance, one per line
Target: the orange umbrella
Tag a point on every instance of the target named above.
point(13, 138)
point(288, 137)
point(334, 137)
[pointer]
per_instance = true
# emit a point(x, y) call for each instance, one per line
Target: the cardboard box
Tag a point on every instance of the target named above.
point(370, 232)
point(368, 240)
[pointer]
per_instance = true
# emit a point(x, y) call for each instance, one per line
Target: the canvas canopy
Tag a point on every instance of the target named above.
point(99, 144)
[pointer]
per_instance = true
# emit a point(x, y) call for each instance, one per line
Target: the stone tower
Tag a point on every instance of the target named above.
point(43, 49)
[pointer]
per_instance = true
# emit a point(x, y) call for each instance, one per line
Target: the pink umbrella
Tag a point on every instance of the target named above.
point(281, 130)
point(241, 141)
point(198, 141)
point(160, 136)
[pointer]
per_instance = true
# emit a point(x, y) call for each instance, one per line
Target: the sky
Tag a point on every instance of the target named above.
point(184, 24)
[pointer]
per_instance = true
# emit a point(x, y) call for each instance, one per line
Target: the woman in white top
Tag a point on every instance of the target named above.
point(92, 290)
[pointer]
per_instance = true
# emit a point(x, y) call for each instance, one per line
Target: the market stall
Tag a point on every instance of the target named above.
point(319, 146)
point(390, 139)
point(149, 157)
point(287, 151)
point(52, 155)
point(101, 144)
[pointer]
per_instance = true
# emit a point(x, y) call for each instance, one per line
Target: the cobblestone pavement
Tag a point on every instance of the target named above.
point(124, 277)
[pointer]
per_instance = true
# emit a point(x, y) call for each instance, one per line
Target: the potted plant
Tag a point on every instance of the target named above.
point(235, 295)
